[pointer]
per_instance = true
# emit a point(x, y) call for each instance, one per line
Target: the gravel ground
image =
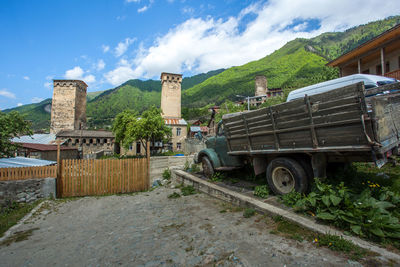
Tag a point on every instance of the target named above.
point(149, 229)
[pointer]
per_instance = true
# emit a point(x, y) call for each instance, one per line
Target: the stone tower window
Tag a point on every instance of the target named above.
point(178, 131)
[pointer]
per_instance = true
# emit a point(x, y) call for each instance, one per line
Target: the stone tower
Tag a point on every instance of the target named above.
point(261, 85)
point(171, 95)
point(68, 109)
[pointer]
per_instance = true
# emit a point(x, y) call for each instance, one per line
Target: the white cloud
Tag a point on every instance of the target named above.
point(132, 1)
point(142, 9)
point(100, 65)
point(121, 48)
point(4, 92)
point(204, 44)
point(105, 48)
point(37, 99)
point(26, 78)
point(47, 85)
point(77, 73)
point(120, 75)
point(19, 104)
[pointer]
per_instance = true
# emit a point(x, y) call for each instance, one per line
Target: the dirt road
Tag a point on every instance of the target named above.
point(150, 229)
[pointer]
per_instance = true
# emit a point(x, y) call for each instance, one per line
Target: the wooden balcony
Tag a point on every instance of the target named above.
point(393, 74)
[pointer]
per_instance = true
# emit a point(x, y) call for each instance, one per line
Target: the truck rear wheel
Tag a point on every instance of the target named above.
point(286, 174)
point(208, 168)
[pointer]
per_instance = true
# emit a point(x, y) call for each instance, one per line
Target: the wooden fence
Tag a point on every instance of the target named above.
point(23, 173)
point(102, 176)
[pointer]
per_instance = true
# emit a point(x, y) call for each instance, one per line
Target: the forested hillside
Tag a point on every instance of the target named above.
point(300, 62)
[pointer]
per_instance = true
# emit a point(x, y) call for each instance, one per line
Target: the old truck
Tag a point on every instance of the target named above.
point(294, 142)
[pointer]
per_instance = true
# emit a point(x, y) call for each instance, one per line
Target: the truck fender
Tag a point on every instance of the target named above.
point(212, 155)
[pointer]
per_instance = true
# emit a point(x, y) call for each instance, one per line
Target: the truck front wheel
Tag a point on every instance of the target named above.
point(286, 174)
point(208, 169)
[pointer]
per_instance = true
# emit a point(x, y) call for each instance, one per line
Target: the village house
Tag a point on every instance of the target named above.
point(378, 56)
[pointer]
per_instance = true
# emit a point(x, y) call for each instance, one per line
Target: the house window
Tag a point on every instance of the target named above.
point(130, 147)
point(178, 131)
point(138, 148)
point(178, 146)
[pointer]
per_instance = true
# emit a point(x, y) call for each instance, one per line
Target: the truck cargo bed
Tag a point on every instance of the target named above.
point(339, 121)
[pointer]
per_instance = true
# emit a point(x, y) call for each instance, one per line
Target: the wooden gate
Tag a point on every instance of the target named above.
point(102, 177)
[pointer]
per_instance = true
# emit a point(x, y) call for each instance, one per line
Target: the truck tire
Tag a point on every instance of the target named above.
point(286, 174)
point(208, 168)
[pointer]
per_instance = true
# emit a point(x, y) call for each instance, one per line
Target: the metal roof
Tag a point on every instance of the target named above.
point(171, 121)
point(24, 162)
point(44, 139)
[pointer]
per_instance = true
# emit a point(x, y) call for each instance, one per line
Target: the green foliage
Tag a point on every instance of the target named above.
point(11, 125)
point(195, 168)
point(247, 213)
point(217, 176)
point(188, 190)
point(166, 174)
point(186, 167)
point(174, 195)
point(261, 191)
point(372, 213)
point(338, 243)
point(128, 128)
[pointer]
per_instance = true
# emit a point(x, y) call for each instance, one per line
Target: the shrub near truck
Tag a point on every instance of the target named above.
point(295, 141)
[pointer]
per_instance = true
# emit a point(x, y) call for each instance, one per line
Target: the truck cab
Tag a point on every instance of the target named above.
point(215, 157)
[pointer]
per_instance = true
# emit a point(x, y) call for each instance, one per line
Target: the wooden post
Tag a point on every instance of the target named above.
point(58, 179)
point(382, 61)
point(148, 164)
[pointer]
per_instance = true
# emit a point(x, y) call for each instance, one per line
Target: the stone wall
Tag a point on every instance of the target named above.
point(171, 95)
point(26, 190)
point(68, 111)
point(193, 145)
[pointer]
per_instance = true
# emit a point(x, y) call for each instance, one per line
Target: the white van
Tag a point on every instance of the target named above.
point(370, 81)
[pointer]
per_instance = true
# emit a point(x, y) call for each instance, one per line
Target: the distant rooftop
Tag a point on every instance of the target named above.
point(45, 139)
point(171, 121)
point(85, 133)
point(24, 162)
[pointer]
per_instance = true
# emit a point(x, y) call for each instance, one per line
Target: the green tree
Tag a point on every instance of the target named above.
point(11, 125)
point(150, 126)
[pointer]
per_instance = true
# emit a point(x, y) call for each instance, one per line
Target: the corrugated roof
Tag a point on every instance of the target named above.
point(24, 162)
point(44, 139)
point(195, 128)
point(170, 121)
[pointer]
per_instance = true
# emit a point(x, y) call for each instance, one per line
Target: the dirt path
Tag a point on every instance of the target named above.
point(149, 229)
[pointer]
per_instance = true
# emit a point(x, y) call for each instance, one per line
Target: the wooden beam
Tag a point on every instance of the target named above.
point(359, 65)
point(383, 60)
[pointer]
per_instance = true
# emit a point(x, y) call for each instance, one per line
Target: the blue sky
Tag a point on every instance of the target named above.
point(107, 42)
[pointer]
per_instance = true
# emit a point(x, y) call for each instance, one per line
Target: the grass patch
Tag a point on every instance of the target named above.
point(10, 215)
point(247, 213)
point(287, 229)
point(18, 237)
point(188, 190)
point(227, 207)
point(174, 195)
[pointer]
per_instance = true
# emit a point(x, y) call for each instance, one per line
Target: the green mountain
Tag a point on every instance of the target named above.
point(299, 63)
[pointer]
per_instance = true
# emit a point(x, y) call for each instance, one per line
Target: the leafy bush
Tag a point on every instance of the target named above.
point(372, 213)
point(188, 190)
point(217, 177)
point(261, 191)
point(186, 167)
point(167, 174)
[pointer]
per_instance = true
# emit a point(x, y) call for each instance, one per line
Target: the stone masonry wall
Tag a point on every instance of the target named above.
point(68, 109)
point(171, 95)
point(261, 85)
point(26, 190)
